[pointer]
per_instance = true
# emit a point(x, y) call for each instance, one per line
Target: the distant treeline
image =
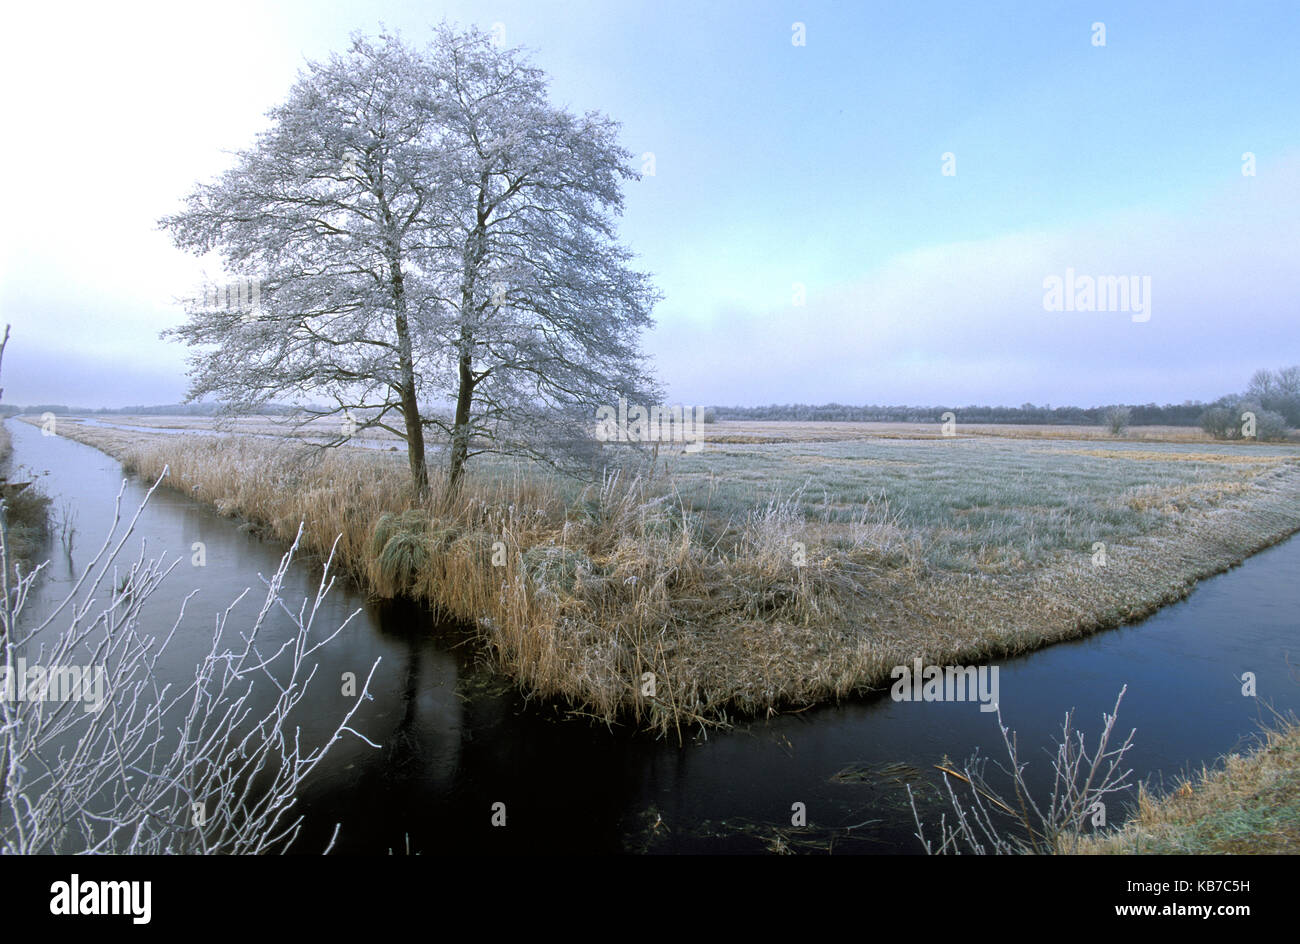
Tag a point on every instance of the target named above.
point(1171, 414)
point(1272, 396)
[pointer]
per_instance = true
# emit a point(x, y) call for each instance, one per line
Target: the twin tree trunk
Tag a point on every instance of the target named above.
point(410, 405)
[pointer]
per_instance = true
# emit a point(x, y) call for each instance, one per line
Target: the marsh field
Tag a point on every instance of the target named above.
point(784, 565)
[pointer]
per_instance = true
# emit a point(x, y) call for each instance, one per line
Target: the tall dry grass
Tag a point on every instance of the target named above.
point(27, 510)
point(624, 601)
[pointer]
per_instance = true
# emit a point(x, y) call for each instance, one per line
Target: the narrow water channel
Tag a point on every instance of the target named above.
point(455, 739)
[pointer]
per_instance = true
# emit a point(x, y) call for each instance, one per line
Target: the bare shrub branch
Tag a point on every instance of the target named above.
point(989, 823)
point(156, 766)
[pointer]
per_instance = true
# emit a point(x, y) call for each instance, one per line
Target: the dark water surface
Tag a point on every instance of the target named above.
point(455, 739)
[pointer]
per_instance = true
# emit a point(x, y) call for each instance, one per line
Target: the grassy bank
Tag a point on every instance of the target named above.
point(27, 510)
point(1249, 805)
point(762, 576)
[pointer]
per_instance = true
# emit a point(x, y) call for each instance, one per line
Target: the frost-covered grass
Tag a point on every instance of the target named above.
point(983, 504)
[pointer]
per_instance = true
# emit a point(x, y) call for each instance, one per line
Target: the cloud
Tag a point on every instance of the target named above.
point(965, 322)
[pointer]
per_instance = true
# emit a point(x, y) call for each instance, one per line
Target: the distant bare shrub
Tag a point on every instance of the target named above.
point(1117, 419)
point(1228, 419)
point(1269, 426)
point(1221, 423)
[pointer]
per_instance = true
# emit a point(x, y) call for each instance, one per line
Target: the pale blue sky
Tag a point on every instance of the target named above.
point(775, 164)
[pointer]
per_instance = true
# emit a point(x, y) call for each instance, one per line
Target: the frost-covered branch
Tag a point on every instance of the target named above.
point(123, 760)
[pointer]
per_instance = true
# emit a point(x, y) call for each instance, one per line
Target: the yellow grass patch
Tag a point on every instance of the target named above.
point(1146, 456)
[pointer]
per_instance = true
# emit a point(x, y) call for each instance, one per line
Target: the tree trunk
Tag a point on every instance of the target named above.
point(460, 431)
point(406, 388)
point(414, 440)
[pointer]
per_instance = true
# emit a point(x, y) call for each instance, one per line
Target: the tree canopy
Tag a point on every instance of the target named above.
point(434, 252)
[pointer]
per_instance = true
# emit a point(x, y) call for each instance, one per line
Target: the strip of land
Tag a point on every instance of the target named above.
point(770, 571)
point(27, 511)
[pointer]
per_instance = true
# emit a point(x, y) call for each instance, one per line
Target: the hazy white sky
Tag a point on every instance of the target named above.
point(776, 164)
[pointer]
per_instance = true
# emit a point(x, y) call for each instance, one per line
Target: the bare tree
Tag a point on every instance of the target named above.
point(1117, 419)
point(1263, 385)
point(3, 345)
point(324, 216)
point(544, 314)
point(1288, 382)
point(430, 234)
point(1277, 391)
